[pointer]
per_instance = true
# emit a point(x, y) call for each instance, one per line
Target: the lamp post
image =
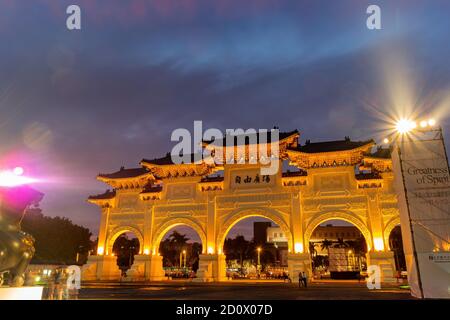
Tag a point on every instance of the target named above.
point(184, 254)
point(259, 259)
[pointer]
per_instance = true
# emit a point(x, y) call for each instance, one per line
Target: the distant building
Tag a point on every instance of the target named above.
point(331, 232)
point(260, 232)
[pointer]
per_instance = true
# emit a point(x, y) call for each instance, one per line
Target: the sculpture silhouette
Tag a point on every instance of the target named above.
point(16, 246)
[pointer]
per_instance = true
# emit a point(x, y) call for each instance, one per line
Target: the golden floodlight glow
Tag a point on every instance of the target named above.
point(431, 122)
point(100, 251)
point(298, 247)
point(423, 124)
point(404, 126)
point(210, 250)
point(378, 244)
point(386, 140)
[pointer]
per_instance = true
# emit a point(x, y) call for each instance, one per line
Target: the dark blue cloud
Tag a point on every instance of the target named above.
point(77, 103)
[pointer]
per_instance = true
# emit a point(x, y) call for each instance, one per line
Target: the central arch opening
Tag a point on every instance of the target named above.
point(256, 248)
point(125, 247)
point(338, 250)
point(180, 248)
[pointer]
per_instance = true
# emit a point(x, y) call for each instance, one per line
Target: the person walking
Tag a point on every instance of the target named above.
point(51, 286)
point(59, 290)
point(305, 280)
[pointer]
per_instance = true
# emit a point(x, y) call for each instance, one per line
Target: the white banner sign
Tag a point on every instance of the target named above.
point(423, 185)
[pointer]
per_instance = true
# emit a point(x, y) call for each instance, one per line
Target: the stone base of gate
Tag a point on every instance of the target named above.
point(101, 268)
point(137, 270)
point(385, 260)
point(154, 268)
point(211, 267)
point(299, 262)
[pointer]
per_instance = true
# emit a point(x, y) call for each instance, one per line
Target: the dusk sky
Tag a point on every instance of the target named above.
point(77, 103)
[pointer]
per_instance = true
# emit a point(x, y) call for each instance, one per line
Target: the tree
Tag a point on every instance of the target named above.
point(57, 240)
point(326, 244)
point(171, 248)
point(125, 249)
point(239, 248)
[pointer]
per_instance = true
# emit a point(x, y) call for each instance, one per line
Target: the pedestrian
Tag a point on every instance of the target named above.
point(51, 286)
point(59, 290)
point(300, 280)
point(305, 280)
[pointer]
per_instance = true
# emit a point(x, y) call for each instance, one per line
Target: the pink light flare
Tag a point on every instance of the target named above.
point(14, 178)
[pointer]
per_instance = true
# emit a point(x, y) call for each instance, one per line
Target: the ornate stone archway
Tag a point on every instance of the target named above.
point(115, 233)
point(338, 215)
point(388, 229)
point(243, 213)
point(168, 224)
point(159, 194)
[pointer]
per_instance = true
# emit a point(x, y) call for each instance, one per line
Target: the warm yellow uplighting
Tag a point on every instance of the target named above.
point(386, 141)
point(100, 251)
point(404, 126)
point(423, 124)
point(298, 248)
point(184, 251)
point(378, 244)
point(431, 122)
point(210, 250)
point(259, 249)
point(146, 251)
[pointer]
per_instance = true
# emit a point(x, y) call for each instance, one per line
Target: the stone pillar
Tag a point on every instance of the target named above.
point(297, 225)
point(211, 267)
point(299, 262)
point(101, 267)
point(211, 227)
point(102, 246)
point(146, 268)
point(148, 232)
point(375, 220)
point(154, 268)
point(385, 260)
point(137, 270)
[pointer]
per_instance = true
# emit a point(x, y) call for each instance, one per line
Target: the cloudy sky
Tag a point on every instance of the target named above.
point(76, 103)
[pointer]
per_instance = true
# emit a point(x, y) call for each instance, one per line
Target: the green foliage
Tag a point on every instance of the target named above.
point(125, 249)
point(58, 240)
point(171, 248)
point(241, 249)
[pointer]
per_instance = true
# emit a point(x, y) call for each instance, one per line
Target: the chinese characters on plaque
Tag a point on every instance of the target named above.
point(252, 179)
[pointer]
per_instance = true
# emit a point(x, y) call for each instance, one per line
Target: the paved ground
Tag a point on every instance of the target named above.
point(240, 290)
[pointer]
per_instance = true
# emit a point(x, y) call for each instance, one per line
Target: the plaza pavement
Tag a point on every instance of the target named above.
point(241, 290)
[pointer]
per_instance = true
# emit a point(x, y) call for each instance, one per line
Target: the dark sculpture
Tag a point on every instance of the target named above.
point(16, 246)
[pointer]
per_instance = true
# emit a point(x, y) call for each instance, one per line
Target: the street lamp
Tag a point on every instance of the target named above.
point(259, 259)
point(404, 126)
point(184, 253)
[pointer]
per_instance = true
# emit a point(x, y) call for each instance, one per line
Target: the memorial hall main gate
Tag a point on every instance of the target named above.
point(344, 179)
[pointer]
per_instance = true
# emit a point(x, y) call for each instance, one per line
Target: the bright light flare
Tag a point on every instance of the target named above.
point(18, 171)
point(404, 126)
point(14, 178)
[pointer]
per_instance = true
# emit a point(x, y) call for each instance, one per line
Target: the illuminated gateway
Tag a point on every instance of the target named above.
point(345, 180)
